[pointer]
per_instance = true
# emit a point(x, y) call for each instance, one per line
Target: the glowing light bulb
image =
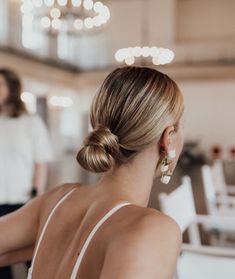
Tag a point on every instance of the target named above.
point(120, 55)
point(62, 2)
point(130, 60)
point(27, 97)
point(56, 23)
point(154, 51)
point(137, 51)
point(78, 24)
point(145, 51)
point(49, 3)
point(55, 13)
point(88, 4)
point(98, 7)
point(60, 101)
point(88, 22)
point(97, 21)
point(155, 60)
point(45, 22)
point(76, 3)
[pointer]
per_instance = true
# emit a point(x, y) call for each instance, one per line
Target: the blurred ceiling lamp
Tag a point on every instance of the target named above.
point(158, 55)
point(60, 101)
point(68, 16)
point(27, 97)
point(30, 101)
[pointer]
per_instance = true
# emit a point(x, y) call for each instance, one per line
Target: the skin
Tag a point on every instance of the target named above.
point(136, 242)
point(40, 169)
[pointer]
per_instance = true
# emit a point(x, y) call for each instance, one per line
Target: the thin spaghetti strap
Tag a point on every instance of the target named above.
point(90, 236)
point(46, 224)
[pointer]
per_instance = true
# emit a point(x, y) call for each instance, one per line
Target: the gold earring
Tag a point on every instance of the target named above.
point(165, 167)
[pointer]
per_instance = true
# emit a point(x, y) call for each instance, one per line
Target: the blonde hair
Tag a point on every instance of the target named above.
point(131, 110)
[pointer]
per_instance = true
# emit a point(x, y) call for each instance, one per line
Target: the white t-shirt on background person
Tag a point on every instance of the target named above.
point(24, 141)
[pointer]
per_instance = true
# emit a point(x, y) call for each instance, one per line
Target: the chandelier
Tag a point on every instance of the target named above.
point(158, 55)
point(68, 16)
point(144, 53)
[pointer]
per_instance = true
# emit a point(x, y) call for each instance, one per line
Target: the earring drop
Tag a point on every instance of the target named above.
point(172, 154)
point(164, 167)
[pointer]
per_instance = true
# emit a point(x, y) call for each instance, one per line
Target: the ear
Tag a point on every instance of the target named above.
point(166, 139)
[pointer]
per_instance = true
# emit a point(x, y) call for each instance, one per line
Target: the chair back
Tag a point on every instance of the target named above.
point(209, 189)
point(218, 177)
point(180, 206)
point(195, 266)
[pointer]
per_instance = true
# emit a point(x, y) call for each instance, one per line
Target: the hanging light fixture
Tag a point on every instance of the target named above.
point(68, 16)
point(158, 55)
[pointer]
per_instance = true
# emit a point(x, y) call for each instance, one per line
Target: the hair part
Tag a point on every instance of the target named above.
point(131, 110)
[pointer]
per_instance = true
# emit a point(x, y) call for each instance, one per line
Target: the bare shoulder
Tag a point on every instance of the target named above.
point(147, 249)
point(160, 228)
point(163, 230)
point(147, 221)
point(159, 224)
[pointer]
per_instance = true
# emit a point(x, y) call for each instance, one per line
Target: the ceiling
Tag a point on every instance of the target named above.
point(169, 23)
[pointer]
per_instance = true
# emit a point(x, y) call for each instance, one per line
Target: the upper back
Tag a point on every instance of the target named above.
point(74, 219)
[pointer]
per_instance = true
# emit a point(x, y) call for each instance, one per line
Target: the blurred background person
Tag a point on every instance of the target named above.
point(24, 150)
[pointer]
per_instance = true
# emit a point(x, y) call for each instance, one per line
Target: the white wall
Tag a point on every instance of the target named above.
point(205, 20)
point(210, 112)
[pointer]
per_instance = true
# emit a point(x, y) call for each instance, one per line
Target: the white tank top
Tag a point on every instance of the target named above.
point(85, 245)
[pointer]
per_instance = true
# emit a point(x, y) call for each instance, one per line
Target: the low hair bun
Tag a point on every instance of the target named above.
point(100, 150)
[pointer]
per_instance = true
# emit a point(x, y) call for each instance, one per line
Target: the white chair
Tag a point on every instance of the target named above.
point(196, 260)
point(220, 185)
point(217, 200)
point(210, 264)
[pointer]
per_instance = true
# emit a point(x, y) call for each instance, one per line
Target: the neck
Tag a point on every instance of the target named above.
point(132, 181)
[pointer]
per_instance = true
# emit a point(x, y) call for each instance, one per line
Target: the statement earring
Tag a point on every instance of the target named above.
point(165, 166)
